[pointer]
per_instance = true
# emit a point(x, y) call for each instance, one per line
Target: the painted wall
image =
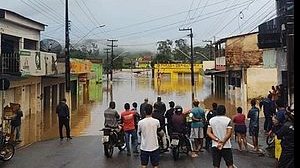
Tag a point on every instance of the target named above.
point(260, 81)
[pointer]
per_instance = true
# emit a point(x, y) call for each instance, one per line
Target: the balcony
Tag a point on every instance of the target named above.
point(29, 63)
point(10, 63)
point(269, 35)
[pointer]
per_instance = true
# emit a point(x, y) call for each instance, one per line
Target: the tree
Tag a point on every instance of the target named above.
point(183, 47)
point(164, 51)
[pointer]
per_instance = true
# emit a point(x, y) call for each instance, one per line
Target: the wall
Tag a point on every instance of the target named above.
point(36, 63)
point(208, 65)
point(19, 31)
point(260, 81)
point(243, 51)
point(26, 92)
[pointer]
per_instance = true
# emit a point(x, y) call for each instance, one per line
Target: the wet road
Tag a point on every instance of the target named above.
point(87, 152)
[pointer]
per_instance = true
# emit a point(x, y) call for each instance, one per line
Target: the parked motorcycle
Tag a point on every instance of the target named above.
point(112, 138)
point(179, 144)
point(7, 149)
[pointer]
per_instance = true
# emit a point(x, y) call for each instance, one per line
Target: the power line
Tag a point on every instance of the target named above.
point(39, 11)
point(215, 13)
point(164, 17)
point(189, 11)
point(233, 19)
point(218, 21)
point(200, 12)
point(263, 6)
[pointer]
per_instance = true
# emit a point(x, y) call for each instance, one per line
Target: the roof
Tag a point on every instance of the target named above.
point(4, 11)
point(240, 35)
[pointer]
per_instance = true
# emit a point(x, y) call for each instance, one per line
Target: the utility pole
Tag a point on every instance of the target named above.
point(192, 61)
point(210, 48)
point(67, 50)
point(107, 68)
point(112, 57)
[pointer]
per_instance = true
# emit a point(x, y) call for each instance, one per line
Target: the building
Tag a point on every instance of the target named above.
point(276, 39)
point(36, 83)
point(239, 74)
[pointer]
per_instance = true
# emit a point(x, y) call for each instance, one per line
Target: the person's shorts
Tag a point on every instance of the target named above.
point(197, 133)
point(217, 155)
point(242, 129)
point(253, 131)
point(153, 155)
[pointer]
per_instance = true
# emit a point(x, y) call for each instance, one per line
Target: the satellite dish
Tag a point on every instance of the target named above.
point(50, 45)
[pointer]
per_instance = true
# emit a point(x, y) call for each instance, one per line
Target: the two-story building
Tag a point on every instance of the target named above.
point(276, 39)
point(239, 73)
point(26, 68)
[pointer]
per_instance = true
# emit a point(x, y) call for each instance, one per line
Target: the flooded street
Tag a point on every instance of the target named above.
point(88, 119)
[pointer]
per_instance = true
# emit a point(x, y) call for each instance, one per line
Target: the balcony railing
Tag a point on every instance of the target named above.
point(10, 63)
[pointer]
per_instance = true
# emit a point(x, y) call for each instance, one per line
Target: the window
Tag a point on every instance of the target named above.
point(30, 44)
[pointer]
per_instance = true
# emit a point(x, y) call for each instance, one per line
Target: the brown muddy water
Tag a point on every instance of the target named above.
point(88, 119)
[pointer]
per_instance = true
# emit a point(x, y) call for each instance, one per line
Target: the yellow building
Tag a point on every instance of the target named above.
point(174, 71)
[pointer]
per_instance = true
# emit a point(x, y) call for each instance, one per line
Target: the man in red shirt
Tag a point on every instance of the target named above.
point(128, 120)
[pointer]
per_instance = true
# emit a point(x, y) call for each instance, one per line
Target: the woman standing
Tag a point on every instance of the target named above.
point(240, 128)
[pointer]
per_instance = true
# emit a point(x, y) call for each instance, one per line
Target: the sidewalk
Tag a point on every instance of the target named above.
point(263, 147)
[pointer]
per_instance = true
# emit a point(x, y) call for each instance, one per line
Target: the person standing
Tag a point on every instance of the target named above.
point(210, 114)
point(220, 131)
point(161, 106)
point(269, 110)
point(147, 128)
point(16, 123)
point(197, 128)
point(168, 115)
point(161, 130)
point(128, 121)
point(63, 113)
point(142, 108)
point(240, 128)
point(253, 114)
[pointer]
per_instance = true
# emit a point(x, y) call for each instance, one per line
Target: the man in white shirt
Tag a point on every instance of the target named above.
point(220, 131)
point(147, 129)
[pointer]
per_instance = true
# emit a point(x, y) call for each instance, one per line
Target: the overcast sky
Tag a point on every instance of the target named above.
point(139, 24)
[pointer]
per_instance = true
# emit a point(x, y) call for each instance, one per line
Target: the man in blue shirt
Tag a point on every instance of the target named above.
point(253, 114)
point(197, 127)
point(269, 110)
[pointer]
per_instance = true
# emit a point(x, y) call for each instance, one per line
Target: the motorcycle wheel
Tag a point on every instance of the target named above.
point(108, 150)
point(123, 147)
point(7, 152)
point(270, 139)
point(175, 152)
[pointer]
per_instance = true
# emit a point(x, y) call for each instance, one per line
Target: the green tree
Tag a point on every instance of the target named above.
point(164, 51)
point(181, 47)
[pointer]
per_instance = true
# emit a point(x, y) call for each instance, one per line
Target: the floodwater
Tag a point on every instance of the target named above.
point(88, 119)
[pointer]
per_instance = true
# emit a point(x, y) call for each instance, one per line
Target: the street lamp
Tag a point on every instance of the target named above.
point(88, 34)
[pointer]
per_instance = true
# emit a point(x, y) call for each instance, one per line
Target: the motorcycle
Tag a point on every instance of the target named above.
point(7, 149)
point(270, 140)
point(179, 144)
point(112, 138)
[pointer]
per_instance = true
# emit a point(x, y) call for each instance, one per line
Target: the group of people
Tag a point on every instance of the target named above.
point(279, 119)
point(149, 123)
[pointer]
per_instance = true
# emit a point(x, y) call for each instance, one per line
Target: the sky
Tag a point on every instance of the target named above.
point(140, 24)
